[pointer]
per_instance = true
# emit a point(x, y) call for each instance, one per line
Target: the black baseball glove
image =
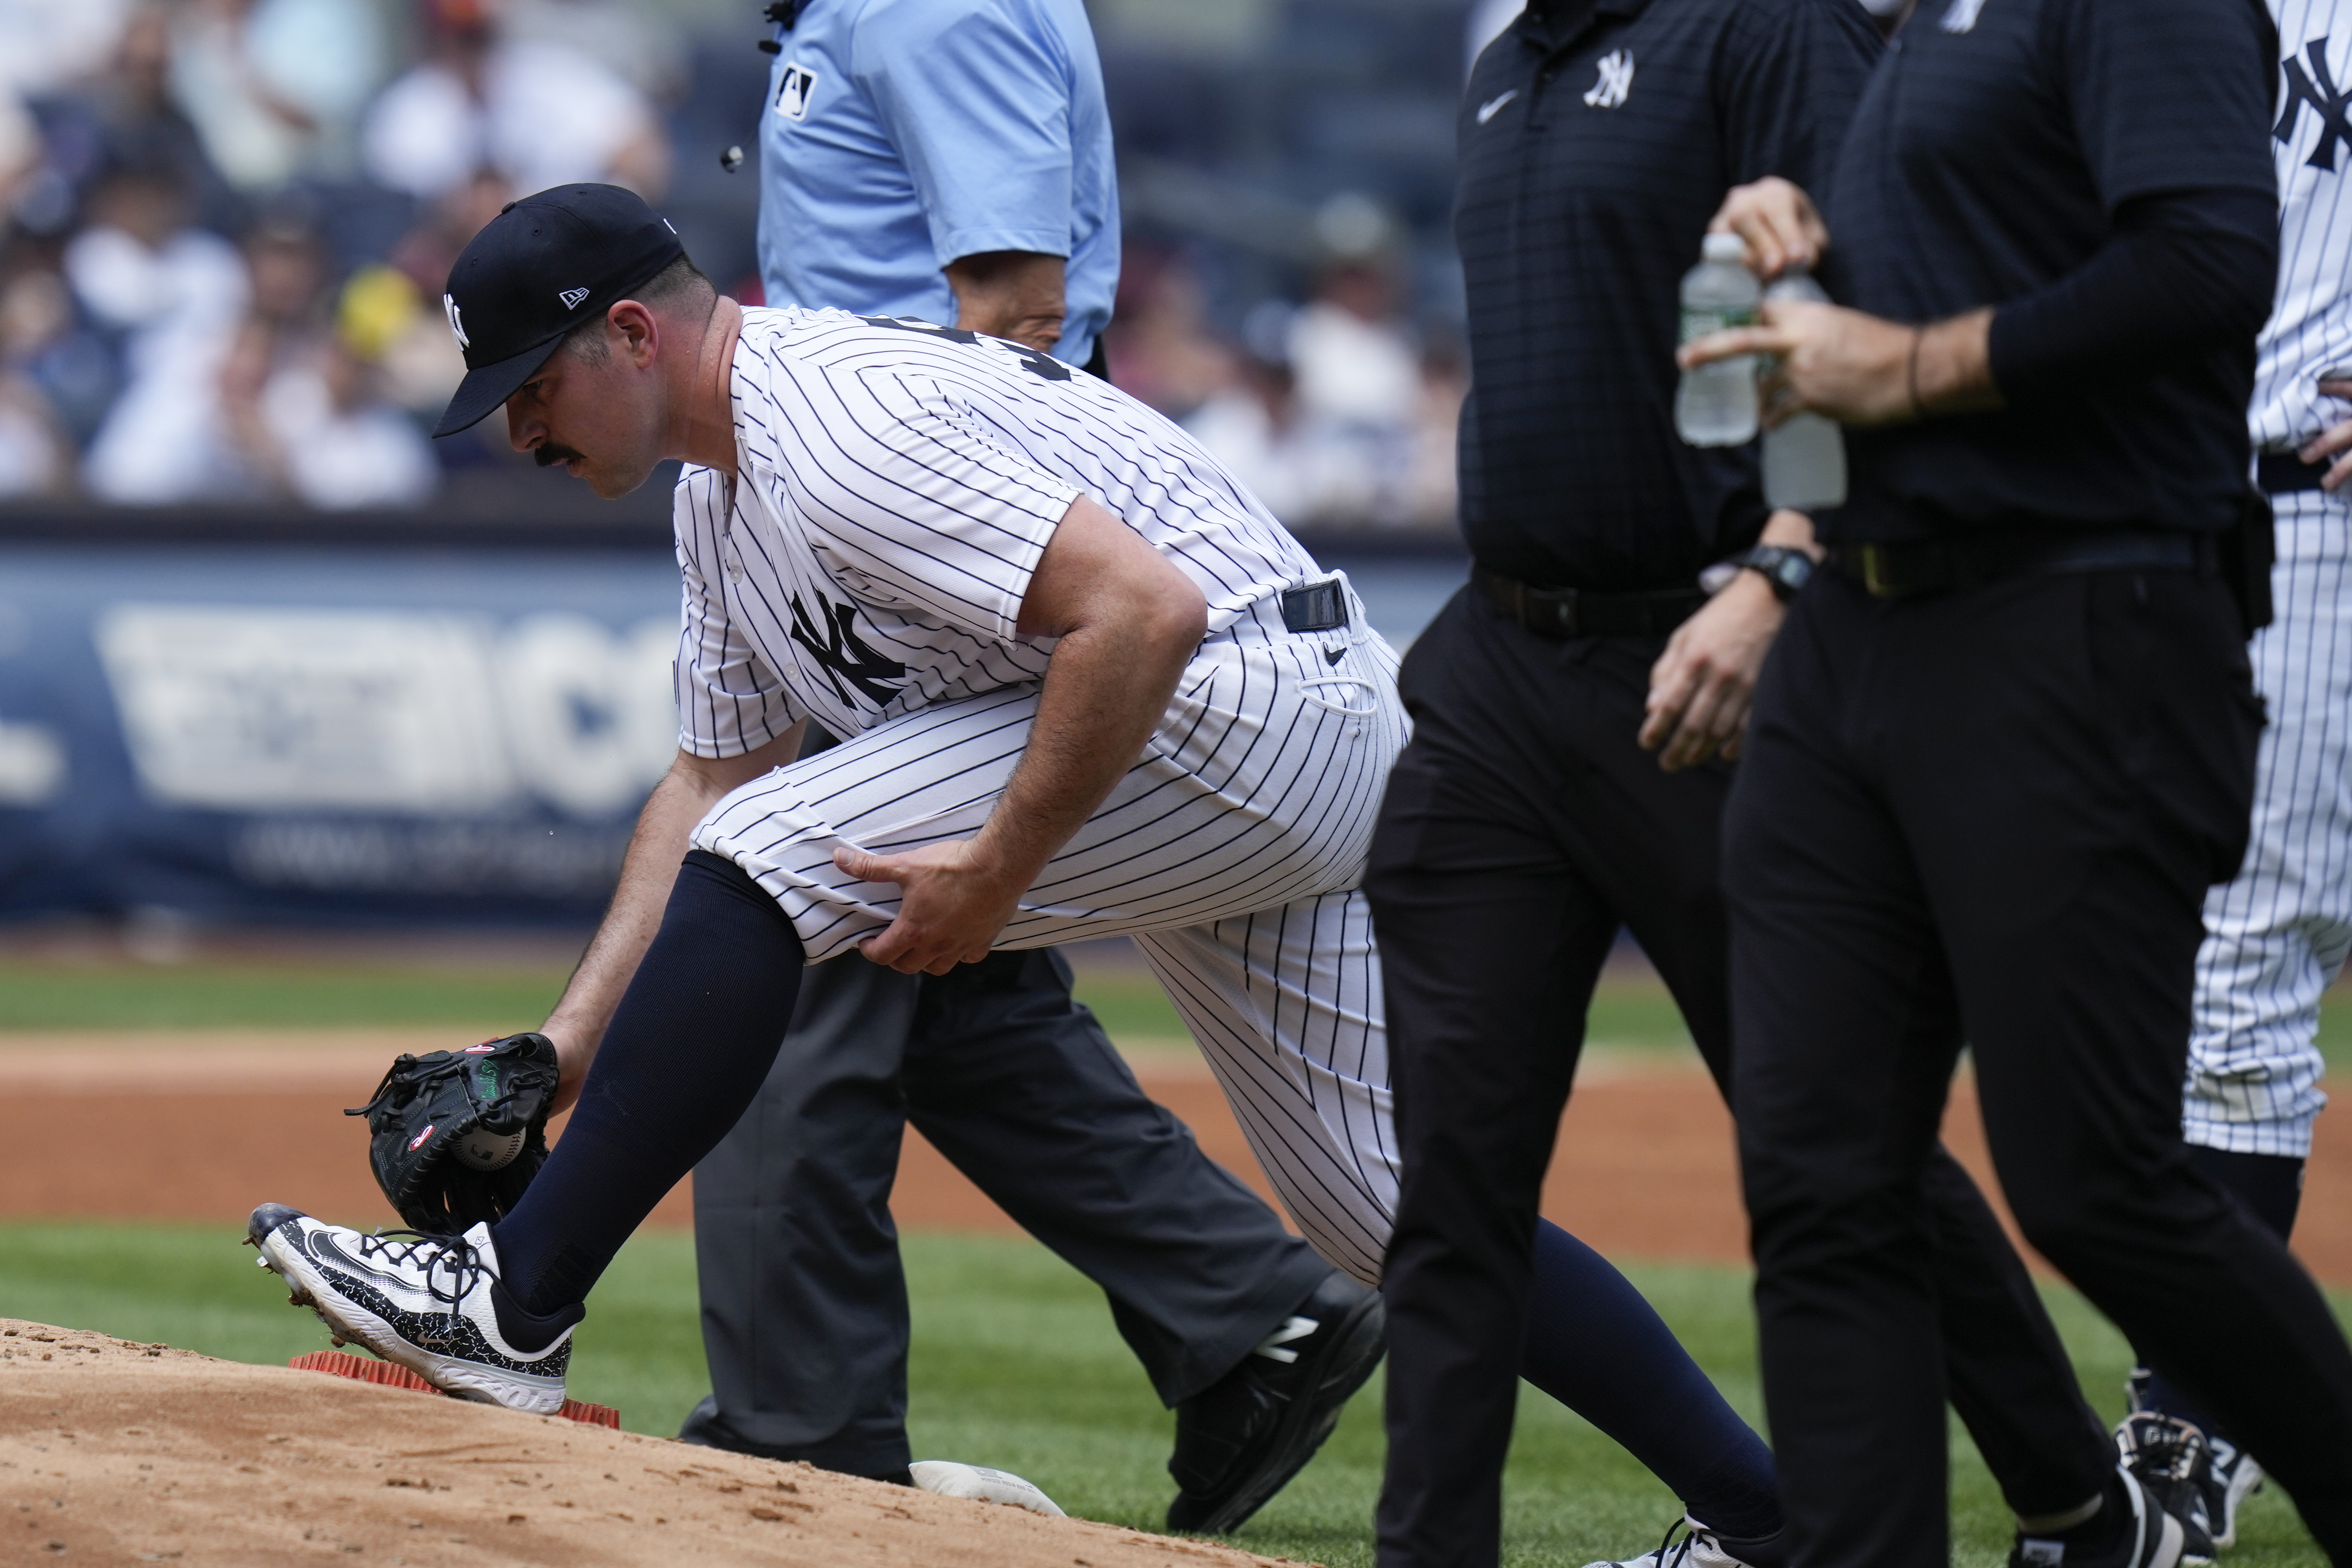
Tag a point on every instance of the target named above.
point(456, 1136)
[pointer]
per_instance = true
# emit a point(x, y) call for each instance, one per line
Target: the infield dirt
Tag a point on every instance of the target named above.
point(204, 1124)
point(113, 1452)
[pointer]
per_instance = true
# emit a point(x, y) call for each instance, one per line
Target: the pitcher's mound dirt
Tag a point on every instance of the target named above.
point(118, 1453)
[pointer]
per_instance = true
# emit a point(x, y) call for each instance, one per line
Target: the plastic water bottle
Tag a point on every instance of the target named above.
point(1715, 404)
point(1804, 458)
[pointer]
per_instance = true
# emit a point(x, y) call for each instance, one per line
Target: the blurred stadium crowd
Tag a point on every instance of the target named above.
point(228, 221)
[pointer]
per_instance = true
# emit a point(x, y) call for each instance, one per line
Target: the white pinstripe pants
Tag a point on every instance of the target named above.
point(1230, 852)
point(2276, 936)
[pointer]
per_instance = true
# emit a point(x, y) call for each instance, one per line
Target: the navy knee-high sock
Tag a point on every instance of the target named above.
point(1596, 1346)
point(689, 1046)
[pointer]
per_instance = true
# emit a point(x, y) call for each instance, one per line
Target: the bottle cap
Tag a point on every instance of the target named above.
point(1724, 247)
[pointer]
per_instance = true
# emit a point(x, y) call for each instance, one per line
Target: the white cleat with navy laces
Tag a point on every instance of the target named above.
point(432, 1303)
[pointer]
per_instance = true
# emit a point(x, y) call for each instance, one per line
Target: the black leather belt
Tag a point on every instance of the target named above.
point(1946, 566)
point(1573, 613)
point(2283, 473)
point(1316, 607)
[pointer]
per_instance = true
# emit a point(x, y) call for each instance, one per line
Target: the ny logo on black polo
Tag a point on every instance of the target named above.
point(1615, 81)
point(2317, 89)
point(845, 655)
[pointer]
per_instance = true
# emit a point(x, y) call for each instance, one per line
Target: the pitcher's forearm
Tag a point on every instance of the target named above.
point(1105, 691)
point(683, 797)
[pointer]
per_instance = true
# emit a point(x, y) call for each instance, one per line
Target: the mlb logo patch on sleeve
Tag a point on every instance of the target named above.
point(793, 89)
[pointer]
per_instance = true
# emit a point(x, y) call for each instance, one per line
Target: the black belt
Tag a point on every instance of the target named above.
point(1317, 607)
point(1573, 613)
point(1946, 566)
point(2283, 473)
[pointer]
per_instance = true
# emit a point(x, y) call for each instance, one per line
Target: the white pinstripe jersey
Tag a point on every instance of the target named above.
point(2310, 329)
point(896, 484)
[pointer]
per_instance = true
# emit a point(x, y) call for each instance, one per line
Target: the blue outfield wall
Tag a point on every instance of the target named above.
point(282, 721)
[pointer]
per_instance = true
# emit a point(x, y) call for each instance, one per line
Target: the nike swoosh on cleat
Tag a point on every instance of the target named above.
point(1493, 106)
point(322, 1249)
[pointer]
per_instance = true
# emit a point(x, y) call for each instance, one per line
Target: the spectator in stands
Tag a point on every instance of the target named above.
point(49, 46)
point(1427, 488)
point(175, 294)
point(122, 118)
point(1306, 469)
point(36, 314)
point(1160, 347)
point(422, 366)
point(639, 42)
point(275, 86)
point(52, 347)
point(307, 412)
point(1353, 351)
point(539, 111)
point(1314, 469)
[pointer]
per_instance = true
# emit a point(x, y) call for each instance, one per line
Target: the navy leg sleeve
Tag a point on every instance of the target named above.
point(689, 1046)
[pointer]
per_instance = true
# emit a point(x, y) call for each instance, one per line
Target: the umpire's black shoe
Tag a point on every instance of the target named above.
point(1241, 1439)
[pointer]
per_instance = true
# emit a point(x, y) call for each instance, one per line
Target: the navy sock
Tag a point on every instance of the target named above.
point(1596, 1346)
point(2271, 1187)
point(689, 1047)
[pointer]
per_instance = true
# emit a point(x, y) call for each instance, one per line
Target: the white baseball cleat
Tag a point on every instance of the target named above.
point(1696, 1547)
point(432, 1303)
point(949, 1478)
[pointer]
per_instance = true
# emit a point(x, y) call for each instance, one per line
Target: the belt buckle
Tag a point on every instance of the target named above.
point(1874, 572)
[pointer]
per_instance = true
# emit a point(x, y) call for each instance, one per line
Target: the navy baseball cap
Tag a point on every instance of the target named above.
point(540, 268)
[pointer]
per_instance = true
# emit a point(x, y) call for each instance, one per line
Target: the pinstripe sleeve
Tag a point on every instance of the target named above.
point(729, 701)
point(924, 508)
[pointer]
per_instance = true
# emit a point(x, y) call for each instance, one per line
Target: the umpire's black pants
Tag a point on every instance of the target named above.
point(1994, 814)
point(1522, 827)
point(804, 1304)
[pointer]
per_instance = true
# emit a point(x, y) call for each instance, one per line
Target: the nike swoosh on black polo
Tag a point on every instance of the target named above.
point(1493, 106)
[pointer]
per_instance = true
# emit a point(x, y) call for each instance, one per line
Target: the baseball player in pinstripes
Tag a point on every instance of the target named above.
point(2277, 935)
point(1088, 686)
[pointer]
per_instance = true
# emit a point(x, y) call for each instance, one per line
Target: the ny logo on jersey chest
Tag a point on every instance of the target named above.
point(844, 655)
point(2315, 88)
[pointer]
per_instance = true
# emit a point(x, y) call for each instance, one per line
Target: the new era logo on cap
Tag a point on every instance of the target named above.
point(601, 240)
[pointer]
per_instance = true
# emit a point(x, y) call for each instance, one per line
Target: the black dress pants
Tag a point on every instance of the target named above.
point(1521, 827)
point(1991, 816)
point(804, 1303)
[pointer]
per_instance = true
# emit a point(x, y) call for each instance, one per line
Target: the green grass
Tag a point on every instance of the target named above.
point(224, 994)
point(1015, 1363)
point(1632, 1010)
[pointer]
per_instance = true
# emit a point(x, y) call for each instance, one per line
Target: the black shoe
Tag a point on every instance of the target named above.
point(2132, 1532)
point(2169, 1457)
point(1240, 1441)
point(2228, 1478)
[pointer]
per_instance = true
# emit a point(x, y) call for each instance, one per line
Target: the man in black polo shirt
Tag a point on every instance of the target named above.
point(2002, 749)
point(1526, 823)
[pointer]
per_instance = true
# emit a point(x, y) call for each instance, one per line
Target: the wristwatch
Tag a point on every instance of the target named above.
point(1786, 569)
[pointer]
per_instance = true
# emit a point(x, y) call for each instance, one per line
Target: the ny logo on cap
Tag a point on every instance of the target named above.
point(572, 298)
point(457, 320)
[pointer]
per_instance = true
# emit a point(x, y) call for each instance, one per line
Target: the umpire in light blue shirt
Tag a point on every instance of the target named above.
point(947, 160)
